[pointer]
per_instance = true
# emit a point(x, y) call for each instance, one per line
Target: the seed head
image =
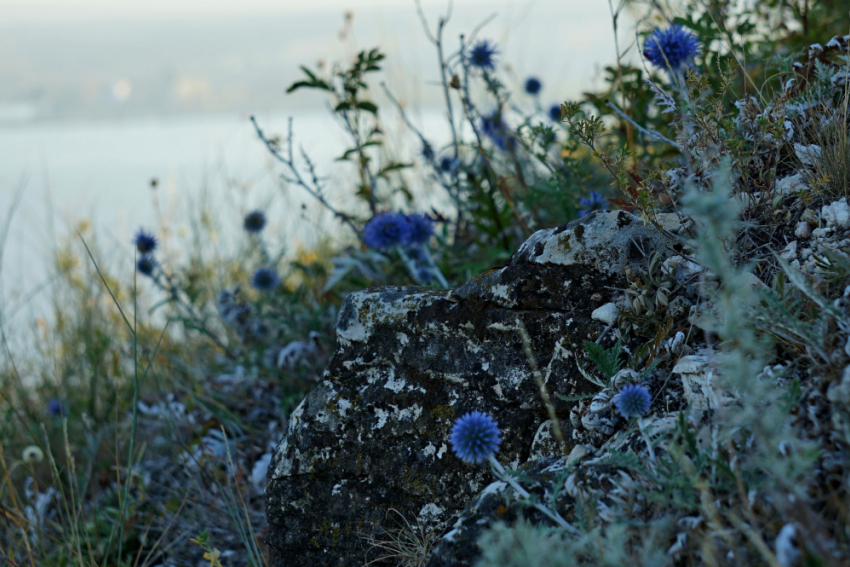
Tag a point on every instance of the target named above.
point(475, 437)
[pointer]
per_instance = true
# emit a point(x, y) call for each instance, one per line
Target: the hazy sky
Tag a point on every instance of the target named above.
point(67, 10)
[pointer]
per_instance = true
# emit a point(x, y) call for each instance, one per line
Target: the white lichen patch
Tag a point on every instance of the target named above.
point(430, 513)
point(429, 450)
point(342, 406)
point(396, 385)
point(370, 309)
point(382, 417)
point(503, 293)
point(442, 451)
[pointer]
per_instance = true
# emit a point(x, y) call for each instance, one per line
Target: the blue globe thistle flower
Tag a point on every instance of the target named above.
point(420, 228)
point(596, 202)
point(555, 112)
point(55, 407)
point(145, 265)
point(483, 55)
point(424, 275)
point(497, 130)
point(632, 401)
point(475, 437)
point(145, 242)
point(386, 230)
point(448, 164)
point(427, 151)
point(533, 85)
point(255, 222)
point(265, 279)
point(670, 48)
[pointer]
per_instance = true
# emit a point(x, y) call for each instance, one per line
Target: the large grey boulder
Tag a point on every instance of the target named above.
point(372, 437)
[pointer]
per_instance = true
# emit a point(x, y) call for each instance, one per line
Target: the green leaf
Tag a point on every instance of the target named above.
point(312, 82)
point(368, 107)
point(606, 359)
point(392, 167)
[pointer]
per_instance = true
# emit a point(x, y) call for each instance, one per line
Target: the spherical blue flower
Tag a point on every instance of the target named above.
point(145, 242)
point(55, 407)
point(265, 279)
point(427, 151)
point(254, 222)
point(424, 275)
point(386, 230)
point(448, 164)
point(632, 401)
point(482, 55)
point(475, 437)
point(533, 85)
point(596, 202)
point(555, 112)
point(145, 265)
point(670, 48)
point(420, 228)
point(497, 130)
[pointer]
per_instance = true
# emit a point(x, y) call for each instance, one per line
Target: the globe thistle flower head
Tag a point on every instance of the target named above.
point(255, 221)
point(533, 85)
point(633, 401)
point(265, 279)
point(386, 230)
point(144, 241)
point(555, 112)
point(55, 407)
point(497, 130)
point(145, 265)
point(447, 164)
point(427, 151)
point(475, 437)
point(424, 275)
point(596, 202)
point(420, 228)
point(483, 55)
point(671, 48)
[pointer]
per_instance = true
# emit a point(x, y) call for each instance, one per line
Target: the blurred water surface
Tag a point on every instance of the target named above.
point(97, 99)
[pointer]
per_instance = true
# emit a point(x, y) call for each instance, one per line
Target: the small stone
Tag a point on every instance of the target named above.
point(791, 184)
point(607, 313)
point(681, 268)
point(836, 213)
point(821, 232)
point(803, 230)
point(808, 155)
point(809, 217)
point(790, 251)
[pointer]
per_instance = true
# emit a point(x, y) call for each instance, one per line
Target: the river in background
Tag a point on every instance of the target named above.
point(92, 110)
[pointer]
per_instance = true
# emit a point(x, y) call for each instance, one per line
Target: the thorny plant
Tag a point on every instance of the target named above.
point(509, 168)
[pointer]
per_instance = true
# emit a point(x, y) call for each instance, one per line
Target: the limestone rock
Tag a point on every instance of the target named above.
point(373, 435)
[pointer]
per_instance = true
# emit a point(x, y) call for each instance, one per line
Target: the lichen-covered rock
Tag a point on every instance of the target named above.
point(373, 435)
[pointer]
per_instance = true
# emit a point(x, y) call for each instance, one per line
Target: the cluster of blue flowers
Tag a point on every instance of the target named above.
point(145, 244)
point(671, 48)
point(387, 230)
point(265, 278)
